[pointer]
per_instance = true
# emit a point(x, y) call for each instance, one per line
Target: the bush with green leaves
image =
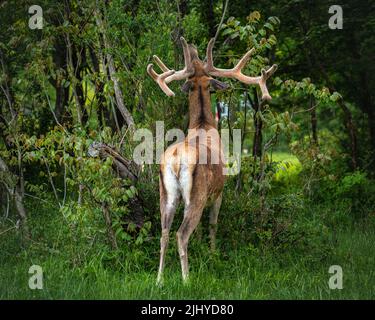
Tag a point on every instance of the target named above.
point(286, 226)
point(91, 197)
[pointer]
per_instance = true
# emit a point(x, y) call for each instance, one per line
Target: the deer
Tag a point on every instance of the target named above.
point(182, 174)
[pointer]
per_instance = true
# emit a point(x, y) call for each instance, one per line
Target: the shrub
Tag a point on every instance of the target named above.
point(358, 192)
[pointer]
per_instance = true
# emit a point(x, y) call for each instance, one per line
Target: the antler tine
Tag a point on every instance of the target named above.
point(187, 57)
point(160, 79)
point(236, 73)
point(188, 70)
point(171, 75)
point(244, 60)
point(262, 83)
point(160, 63)
point(209, 61)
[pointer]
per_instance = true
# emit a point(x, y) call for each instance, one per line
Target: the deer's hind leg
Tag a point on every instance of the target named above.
point(214, 213)
point(192, 216)
point(169, 199)
point(194, 193)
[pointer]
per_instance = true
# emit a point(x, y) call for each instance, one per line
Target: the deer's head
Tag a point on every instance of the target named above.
point(198, 73)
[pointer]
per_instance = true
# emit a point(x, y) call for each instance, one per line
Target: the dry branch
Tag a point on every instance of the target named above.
point(126, 169)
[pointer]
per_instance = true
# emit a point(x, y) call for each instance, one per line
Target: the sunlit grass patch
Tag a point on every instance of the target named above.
point(288, 167)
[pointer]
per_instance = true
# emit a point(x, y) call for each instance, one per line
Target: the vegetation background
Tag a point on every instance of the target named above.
point(305, 196)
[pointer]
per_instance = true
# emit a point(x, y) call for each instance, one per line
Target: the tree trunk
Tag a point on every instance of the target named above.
point(258, 125)
point(118, 93)
point(211, 18)
point(74, 60)
point(352, 132)
point(15, 193)
point(104, 114)
point(243, 136)
point(112, 73)
point(78, 63)
point(12, 183)
point(62, 96)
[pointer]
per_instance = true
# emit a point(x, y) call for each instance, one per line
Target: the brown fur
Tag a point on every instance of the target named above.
point(207, 180)
point(200, 184)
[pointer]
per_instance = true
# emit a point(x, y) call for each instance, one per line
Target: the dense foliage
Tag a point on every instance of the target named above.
point(305, 195)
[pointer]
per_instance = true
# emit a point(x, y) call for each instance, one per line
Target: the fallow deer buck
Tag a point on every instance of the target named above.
point(182, 173)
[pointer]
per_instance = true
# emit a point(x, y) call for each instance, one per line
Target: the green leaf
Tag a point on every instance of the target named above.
point(262, 32)
point(335, 96)
point(227, 31)
point(269, 26)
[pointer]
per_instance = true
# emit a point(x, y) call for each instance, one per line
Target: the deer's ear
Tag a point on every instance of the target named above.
point(218, 85)
point(187, 86)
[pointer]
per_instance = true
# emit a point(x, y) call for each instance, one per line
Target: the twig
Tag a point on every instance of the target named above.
point(307, 110)
point(123, 137)
point(53, 112)
point(221, 21)
point(8, 230)
point(34, 197)
point(51, 181)
point(7, 208)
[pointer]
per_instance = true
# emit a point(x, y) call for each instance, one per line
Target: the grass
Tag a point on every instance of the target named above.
point(241, 275)
point(76, 270)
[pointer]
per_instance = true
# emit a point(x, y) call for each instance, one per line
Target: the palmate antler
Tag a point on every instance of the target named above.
point(171, 75)
point(236, 71)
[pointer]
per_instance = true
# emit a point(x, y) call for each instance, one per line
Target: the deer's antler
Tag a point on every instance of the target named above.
point(171, 75)
point(236, 71)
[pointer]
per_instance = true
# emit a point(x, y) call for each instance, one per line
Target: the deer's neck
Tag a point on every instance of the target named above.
point(200, 114)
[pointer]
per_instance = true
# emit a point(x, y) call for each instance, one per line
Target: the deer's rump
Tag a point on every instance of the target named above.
point(192, 171)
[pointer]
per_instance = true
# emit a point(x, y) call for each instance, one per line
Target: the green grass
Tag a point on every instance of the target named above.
point(240, 275)
point(84, 267)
